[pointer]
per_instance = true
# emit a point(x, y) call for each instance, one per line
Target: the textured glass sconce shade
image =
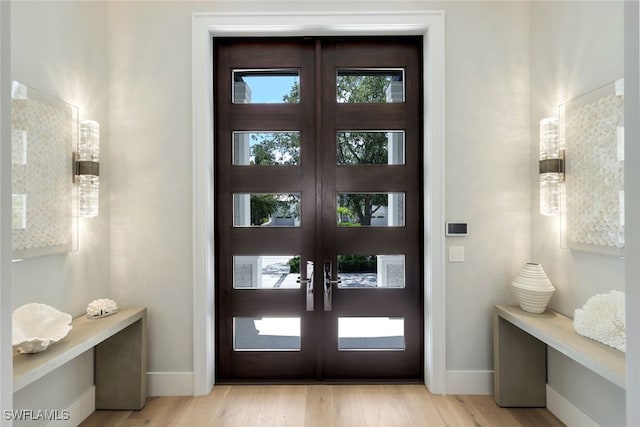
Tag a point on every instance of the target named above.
point(549, 193)
point(87, 173)
point(551, 166)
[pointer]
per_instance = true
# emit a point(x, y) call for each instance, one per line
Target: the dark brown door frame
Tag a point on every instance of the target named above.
point(325, 181)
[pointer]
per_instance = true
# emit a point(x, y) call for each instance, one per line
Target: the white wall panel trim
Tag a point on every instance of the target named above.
point(78, 411)
point(430, 24)
point(566, 411)
point(632, 206)
point(6, 307)
point(469, 382)
point(169, 383)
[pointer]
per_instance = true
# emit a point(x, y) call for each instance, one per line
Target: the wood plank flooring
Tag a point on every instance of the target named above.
point(323, 406)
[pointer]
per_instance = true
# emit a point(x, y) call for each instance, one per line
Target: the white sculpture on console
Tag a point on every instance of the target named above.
point(602, 319)
point(101, 308)
point(35, 326)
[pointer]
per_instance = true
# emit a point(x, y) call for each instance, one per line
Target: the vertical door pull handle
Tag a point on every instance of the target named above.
point(308, 283)
point(328, 270)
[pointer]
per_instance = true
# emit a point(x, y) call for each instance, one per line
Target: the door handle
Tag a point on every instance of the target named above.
point(308, 282)
point(328, 285)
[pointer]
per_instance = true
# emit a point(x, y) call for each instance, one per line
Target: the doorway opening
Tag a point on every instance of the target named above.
point(319, 222)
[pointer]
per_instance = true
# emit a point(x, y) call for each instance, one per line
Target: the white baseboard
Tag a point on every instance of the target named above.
point(566, 411)
point(78, 411)
point(158, 384)
point(170, 383)
point(469, 382)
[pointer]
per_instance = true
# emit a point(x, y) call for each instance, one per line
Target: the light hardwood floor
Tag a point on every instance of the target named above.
point(323, 406)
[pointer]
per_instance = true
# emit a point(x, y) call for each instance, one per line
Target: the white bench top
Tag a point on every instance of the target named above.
point(557, 331)
point(84, 335)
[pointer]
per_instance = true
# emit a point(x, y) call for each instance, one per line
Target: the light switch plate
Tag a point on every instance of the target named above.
point(456, 254)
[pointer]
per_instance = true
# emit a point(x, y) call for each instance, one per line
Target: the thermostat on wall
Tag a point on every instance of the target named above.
point(456, 228)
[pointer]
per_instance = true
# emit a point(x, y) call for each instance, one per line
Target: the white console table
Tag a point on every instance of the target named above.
point(520, 341)
point(120, 358)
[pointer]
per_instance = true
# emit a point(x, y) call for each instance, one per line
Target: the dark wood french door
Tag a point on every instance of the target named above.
point(318, 209)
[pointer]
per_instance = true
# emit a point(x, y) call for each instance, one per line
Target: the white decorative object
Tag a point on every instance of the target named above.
point(533, 288)
point(603, 319)
point(101, 308)
point(592, 129)
point(35, 326)
point(44, 133)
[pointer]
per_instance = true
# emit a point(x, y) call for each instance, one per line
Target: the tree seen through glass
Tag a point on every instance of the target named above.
point(353, 148)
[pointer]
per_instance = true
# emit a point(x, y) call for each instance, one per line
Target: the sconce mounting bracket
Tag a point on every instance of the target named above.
point(84, 167)
point(553, 166)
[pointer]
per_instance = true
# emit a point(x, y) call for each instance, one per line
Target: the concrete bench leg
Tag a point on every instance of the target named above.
point(120, 369)
point(520, 366)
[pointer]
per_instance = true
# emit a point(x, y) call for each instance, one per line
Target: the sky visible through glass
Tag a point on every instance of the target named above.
point(269, 90)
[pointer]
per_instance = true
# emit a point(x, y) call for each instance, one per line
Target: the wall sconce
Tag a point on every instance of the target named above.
point(551, 166)
point(87, 168)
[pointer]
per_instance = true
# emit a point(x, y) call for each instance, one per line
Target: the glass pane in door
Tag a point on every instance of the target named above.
point(266, 210)
point(371, 271)
point(369, 86)
point(266, 86)
point(370, 148)
point(370, 209)
point(266, 148)
point(266, 271)
point(266, 333)
point(370, 333)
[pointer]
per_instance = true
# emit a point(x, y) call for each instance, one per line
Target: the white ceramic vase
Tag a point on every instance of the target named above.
point(533, 288)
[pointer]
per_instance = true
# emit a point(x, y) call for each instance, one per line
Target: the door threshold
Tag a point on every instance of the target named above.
point(323, 382)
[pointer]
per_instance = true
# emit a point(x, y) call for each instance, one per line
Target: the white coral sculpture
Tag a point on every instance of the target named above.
point(602, 319)
point(101, 307)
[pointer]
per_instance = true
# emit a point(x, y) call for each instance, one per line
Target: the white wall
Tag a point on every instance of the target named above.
point(487, 161)
point(6, 389)
point(487, 180)
point(151, 230)
point(60, 48)
point(575, 48)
